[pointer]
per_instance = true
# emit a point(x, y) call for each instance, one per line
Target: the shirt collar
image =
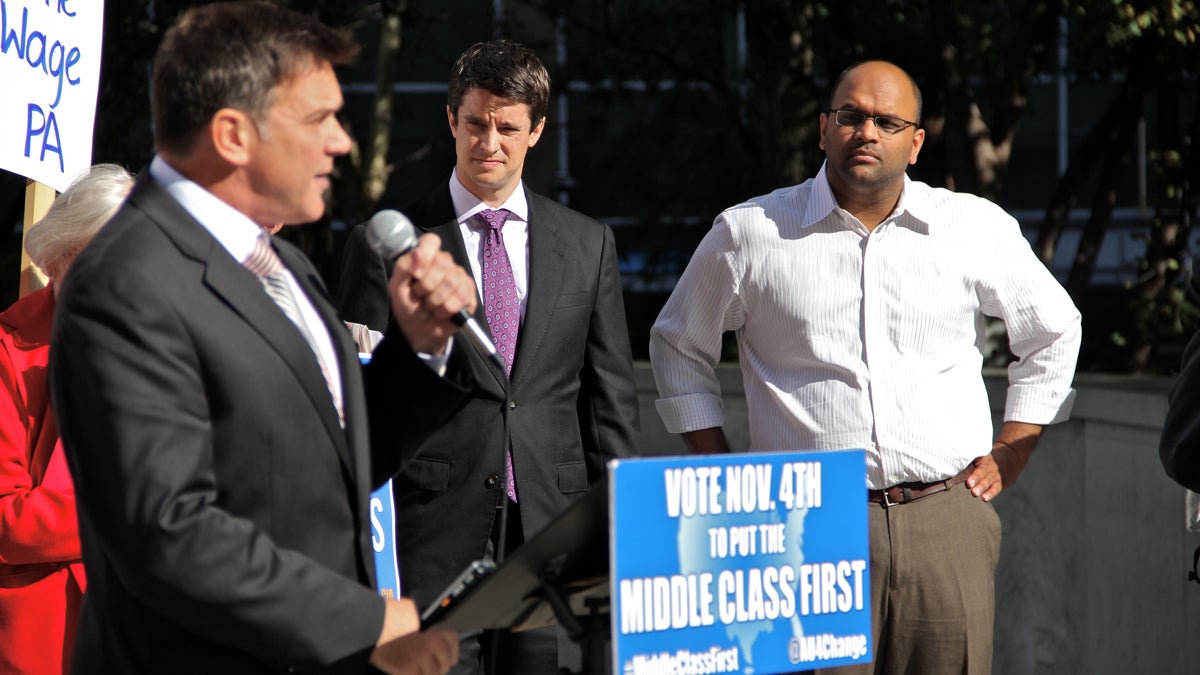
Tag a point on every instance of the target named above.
point(821, 202)
point(913, 210)
point(235, 232)
point(466, 205)
point(917, 202)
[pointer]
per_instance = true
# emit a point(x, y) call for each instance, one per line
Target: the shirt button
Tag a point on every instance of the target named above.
point(491, 481)
point(512, 405)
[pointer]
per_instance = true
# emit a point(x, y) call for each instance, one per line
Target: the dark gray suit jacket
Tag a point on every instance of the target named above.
point(223, 510)
point(572, 405)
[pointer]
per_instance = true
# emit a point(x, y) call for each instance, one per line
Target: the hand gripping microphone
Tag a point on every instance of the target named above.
point(391, 234)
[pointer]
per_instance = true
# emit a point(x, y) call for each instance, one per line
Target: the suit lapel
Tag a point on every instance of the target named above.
point(346, 353)
point(439, 208)
point(243, 293)
point(546, 264)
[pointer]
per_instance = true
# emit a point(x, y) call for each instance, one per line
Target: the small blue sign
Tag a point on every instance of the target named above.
point(383, 532)
point(740, 563)
point(383, 542)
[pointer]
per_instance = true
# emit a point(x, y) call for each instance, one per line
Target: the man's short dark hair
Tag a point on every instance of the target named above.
point(233, 55)
point(505, 69)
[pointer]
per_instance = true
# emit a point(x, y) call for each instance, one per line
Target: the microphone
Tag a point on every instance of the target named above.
point(391, 234)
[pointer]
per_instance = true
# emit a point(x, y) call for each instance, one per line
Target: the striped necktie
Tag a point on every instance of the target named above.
point(265, 264)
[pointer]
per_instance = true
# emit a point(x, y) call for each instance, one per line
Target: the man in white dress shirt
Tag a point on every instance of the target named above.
point(859, 300)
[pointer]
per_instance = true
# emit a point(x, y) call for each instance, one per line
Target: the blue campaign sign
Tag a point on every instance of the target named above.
point(383, 541)
point(741, 563)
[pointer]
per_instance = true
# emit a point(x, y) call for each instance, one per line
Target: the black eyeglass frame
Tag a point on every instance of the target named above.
point(875, 119)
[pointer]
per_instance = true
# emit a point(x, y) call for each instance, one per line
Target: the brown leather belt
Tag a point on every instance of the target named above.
point(904, 493)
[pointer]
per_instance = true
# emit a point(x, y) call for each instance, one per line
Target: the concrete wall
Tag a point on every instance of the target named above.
point(1095, 557)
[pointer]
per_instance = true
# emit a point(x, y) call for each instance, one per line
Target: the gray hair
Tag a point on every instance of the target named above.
point(76, 216)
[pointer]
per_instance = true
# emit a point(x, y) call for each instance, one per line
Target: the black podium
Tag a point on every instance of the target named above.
point(560, 575)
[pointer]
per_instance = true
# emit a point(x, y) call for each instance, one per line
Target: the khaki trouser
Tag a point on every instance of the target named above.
point(933, 597)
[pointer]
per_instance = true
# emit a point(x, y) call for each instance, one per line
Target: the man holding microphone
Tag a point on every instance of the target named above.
point(212, 408)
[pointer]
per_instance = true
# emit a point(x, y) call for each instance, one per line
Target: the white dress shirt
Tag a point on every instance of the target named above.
point(516, 234)
point(237, 233)
point(851, 338)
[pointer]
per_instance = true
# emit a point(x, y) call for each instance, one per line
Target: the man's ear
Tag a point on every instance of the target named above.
point(233, 135)
point(535, 134)
point(918, 141)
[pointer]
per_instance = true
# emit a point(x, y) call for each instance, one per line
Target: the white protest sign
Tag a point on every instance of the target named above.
point(50, 75)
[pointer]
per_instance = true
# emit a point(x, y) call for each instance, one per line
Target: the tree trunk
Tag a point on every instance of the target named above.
point(989, 146)
point(376, 168)
point(783, 103)
point(1156, 297)
point(933, 165)
point(1104, 199)
point(1085, 156)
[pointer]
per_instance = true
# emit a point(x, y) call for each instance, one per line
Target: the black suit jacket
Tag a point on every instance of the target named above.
point(571, 402)
point(223, 510)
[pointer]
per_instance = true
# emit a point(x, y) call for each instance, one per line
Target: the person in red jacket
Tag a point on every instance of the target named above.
point(41, 573)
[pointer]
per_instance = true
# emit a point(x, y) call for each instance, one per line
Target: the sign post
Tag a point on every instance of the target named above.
point(38, 198)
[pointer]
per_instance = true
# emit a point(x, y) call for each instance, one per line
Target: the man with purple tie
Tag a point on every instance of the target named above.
point(538, 432)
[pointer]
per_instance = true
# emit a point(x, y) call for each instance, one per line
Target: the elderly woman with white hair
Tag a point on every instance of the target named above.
point(41, 573)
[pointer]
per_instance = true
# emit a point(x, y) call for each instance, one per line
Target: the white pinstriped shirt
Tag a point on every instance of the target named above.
point(850, 338)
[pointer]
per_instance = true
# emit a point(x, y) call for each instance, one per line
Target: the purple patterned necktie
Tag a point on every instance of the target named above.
point(500, 303)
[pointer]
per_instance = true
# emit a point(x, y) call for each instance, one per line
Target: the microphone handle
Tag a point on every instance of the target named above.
point(477, 335)
point(467, 324)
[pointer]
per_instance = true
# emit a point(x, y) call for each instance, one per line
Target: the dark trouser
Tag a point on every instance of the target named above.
point(933, 599)
point(532, 652)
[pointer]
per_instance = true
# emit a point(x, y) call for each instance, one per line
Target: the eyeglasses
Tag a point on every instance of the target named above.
point(886, 124)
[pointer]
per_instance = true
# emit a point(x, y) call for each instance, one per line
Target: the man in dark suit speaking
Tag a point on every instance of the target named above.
point(551, 297)
point(211, 404)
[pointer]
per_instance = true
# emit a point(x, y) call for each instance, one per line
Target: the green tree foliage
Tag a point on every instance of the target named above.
point(680, 108)
point(1163, 38)
point(739, 116)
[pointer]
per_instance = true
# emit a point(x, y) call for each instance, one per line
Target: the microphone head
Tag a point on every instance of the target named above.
point(391, 234)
